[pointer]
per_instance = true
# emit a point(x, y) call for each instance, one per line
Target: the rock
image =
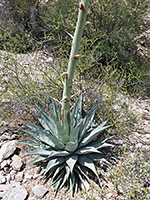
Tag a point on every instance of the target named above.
point(19, 177)
point(4, 164)
point(139, 145)
point(16, 163)
point(12, 175)
point(2, 179)
point(14, 191)
point(39, 190)
point(8, 177)
point(5, 136)
point(146, 129)
point(28, 176)
point(49, 60)
point(7, 149)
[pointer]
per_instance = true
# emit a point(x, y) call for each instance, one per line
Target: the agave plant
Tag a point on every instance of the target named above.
point(66, 142)
point(68, 158)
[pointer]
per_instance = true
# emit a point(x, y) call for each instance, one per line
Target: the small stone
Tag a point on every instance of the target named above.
point(2, 179)
point(16, 163)
point(139, 145)
point(7, 149)
point(50, 60)
point(12, 175)
point(14, 191)
point(19, 176)
point(5, 137)
point(8, 177)
point(4, 164)
point(147, 136)
point(28, 176)
point(39, 191)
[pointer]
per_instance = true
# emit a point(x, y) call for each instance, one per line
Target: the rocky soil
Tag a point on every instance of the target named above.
point(19, 181)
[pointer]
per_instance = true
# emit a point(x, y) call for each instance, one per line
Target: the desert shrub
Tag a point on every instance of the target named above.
point(131, 176)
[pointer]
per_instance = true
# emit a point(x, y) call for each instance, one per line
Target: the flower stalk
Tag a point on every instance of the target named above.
point(83, 7)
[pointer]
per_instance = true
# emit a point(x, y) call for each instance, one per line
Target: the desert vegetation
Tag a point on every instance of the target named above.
point(112, 71)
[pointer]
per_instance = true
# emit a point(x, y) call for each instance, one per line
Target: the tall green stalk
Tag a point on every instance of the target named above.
point(83, 7)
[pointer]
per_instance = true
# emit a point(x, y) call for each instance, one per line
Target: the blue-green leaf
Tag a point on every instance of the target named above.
point(41, 135)
point(75, 132)
point(41, 152)
point(38, 159)
point(86, 150)
point(88, 120)
point(61, 132)
point(65, 178)
point(87, 162)
point(46, 121)
point(93, 134)
point(53, 163)
point(53, 109)
point(71, 146)
point(76, 112)
point(71, 161)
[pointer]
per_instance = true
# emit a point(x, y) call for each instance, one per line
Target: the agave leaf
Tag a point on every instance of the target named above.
point(86, 150)
point(87, 162)
point(53, 163)
point(33, 127)
point(65, 177)
point(58, 170)
point(75, 132)
point(41, 135)
point(92, 135)
point(41, 152)
point(71, 146)
point(46, 121)
point(71, 161)
point(96, 156)
point(58, 182)
point(72, 183)
point(76, 112)
point(88, 120)
point(55, 140)
point(106, 162)
point(38, 159)
point(58, 154)
point(34, 144)
point(59, 175)
point(53, 109)
point(61, 132)
point(99, 145)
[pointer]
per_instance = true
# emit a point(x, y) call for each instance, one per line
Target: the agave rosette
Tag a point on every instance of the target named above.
point(68, 158)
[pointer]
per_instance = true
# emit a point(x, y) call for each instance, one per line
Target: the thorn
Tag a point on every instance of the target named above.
point(70, 86)
point(75, 57)
point(82, 7)
point(66, 75)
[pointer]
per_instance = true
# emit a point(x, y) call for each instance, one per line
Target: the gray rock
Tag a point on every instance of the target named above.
point(19, 177)
point(7, 149)
point(28, 176)
point(39, 190)
point(14, 191)
point(2, 179)
point(50, 60)
point(5, 136)
point(12, 175)
point(4, 164)
point(16, 163)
